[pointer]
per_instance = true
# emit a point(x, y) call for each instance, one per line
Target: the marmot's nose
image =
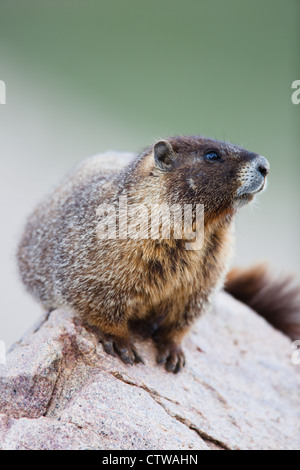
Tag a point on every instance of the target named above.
point(263, 166)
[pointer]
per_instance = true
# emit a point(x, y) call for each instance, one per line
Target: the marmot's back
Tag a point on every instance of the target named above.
point(47, 226)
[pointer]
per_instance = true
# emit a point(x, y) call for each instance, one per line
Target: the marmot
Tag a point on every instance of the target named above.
point(118, 283)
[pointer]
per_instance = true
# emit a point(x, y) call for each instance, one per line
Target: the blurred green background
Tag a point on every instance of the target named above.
point(86, 76)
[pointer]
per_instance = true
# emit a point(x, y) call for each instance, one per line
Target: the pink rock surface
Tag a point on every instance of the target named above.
point(239, 390)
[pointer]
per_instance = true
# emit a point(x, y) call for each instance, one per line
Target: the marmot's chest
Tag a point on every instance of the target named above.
point(196, 270)
point(178, 275)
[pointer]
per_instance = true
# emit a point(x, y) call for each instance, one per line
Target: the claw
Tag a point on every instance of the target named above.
point(172, 357)
point(108, 347)
point(125, 354)
point(118, 347)
point(137, 358)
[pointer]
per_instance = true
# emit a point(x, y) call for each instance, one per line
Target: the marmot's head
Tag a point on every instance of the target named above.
point(205, 171)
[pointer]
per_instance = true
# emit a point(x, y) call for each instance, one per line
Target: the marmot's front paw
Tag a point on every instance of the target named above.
point(122, 348)
point(172, 356)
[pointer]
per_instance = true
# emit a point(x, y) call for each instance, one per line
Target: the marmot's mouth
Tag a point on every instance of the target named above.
point(248, 195)
point(251, 189)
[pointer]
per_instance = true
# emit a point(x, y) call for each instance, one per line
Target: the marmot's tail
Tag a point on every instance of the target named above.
point(277, 300)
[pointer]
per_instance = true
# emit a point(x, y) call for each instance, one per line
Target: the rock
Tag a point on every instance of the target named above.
point(239, 390)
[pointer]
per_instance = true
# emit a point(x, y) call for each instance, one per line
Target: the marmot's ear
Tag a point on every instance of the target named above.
point(164, 155)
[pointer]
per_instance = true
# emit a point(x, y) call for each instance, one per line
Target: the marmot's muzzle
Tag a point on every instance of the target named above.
point(253, 176)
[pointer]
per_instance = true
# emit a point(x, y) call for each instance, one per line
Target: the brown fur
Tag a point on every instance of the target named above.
point(277, 300)
point(115, 284)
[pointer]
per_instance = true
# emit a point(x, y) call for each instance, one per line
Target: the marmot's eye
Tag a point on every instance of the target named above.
point(212, 156)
